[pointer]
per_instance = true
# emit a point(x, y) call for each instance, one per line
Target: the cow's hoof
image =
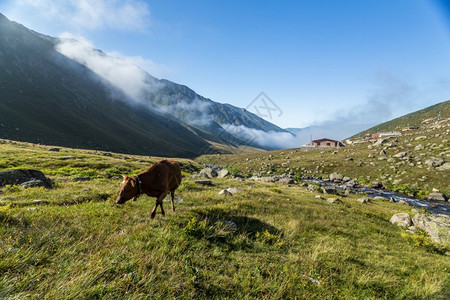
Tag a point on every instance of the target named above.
point(152, 216)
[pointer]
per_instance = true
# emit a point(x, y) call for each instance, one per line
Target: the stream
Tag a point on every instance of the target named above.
point(435, 207)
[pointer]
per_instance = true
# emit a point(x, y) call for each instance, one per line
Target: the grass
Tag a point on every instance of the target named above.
point(78, 244)
point(358, 161)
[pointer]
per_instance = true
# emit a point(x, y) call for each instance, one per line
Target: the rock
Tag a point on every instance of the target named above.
point(318, 197)
point(286, 180)
point(403, 202)
point(346, 179)
point(33, 183)
point(328, 189)
point(208, 173)
point(364, 200)
point(382, 152)
point(380, 198)
point(437, 226)
point(419, 147)
point(334, 200)
point(420, 138)
point(436, 197)
point(20, 176)
point(106, 154)
point(81, 178)
point(230, 225)
point(225, 192)
point(434, 162)
point(223, 173)
point(39, 201)
point(203, 182)
point(336, 177)
point(312, 187)
point(7, 199)
point(85, 190)
point(400, 155)
point(377, 185)
point(401, 219)
point(444, 167)
point(53, 149)
point(380, 142)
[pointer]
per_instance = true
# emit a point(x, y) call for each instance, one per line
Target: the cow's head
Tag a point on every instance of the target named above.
point(128, 189)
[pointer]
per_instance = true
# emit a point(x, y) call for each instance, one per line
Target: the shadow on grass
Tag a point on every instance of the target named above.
point(224, 228)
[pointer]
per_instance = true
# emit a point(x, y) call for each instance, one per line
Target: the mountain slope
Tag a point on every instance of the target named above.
point(411, 119)
point(48, 98)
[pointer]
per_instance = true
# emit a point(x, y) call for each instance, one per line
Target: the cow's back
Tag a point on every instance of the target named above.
point(161, 176)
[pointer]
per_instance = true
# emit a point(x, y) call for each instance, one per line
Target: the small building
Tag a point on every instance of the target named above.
point(329, 143)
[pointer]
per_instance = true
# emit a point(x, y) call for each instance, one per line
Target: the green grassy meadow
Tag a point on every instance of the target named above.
point(78, 244)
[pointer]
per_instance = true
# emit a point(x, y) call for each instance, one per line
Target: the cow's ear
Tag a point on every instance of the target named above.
point(133, 183)
point(125, 177)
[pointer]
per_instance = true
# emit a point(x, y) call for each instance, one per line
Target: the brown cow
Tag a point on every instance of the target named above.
point(157, 181)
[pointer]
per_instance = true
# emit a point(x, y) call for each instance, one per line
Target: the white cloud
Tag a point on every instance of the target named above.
point(116, 69)
point(124, 15)
point(270, 139)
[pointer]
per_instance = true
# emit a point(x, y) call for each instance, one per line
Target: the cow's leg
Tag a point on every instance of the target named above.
point(159, 201)
point(172, 196)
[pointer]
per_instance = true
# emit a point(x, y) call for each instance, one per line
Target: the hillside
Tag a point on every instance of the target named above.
point(267, 241)
point(413, 119)
point(416, 162)
point(50, 99)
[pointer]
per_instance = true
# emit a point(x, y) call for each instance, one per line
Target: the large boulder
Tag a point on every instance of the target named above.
point(437, 197)
point(444, 167)
point(223, 173)
point(20, 176)
point(437, 226)
point(434, 162)
point(336, 177)
point(329, 189)
point(401, 219)
point(208, 173)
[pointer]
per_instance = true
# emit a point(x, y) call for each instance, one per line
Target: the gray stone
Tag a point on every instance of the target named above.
point(401, 219)
point(208, 173)
point(328, 189)
point(336, 177)
point(437, 197)
point(400, 155)
point(39, 201)
point(225, 192)
point(382, 152)
point(377, 185)
point(81, 178)
point(223, 173)
point(380, 198)
point(334, 200)
point(419, 147)
point(437, 226)
point(444, 167)
point(434, 162)
point(53, 149)
point(230, 225)
point(20, 176)
point(33, 183)
point(364, 200)
point(7, 199)
point(286, 180)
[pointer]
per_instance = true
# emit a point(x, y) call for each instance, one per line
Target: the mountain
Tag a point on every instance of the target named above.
point(49, 98)
point(412, 119)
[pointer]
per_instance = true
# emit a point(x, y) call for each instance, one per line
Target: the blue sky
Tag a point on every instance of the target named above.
point(319, 61)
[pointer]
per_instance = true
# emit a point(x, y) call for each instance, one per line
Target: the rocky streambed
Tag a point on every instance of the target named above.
point(433, 206)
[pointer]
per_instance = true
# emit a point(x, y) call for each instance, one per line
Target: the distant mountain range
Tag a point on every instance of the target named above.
point(50, 98)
